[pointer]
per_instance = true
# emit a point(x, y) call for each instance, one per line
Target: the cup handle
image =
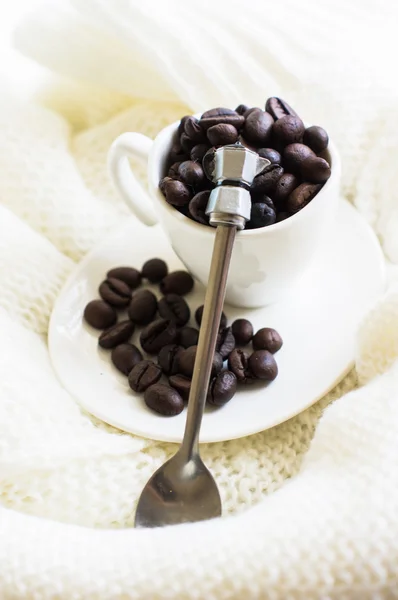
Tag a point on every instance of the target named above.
point(137, 199)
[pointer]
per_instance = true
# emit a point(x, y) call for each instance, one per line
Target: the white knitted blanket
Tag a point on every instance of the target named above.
point(310, 507)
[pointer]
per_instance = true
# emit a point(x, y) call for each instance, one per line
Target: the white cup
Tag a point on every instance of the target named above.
point(266, 262)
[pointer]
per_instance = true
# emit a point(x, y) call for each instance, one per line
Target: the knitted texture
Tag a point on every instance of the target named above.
point(310, 505)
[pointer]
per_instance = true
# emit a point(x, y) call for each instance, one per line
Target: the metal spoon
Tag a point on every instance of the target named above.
point(183, 489)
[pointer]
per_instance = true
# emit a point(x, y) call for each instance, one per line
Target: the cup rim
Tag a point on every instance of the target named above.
point(167, 132)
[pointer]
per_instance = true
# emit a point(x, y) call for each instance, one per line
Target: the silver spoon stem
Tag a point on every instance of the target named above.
point(213, 306)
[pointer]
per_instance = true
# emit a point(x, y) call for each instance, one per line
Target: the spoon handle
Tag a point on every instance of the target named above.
point(214, 301)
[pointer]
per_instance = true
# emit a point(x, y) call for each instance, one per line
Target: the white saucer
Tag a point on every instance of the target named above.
point(318, 323)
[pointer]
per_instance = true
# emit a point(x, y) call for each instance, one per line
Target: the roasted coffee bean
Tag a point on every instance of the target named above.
point(177, 154)
point(282, 216)
point(278, 108)
point(301, 196)
point(267, 339)
point(261, 215)
point(225, 342)
point(198, 152)
point(186, 362)
point(316, 138)
point(199, 315)
point(198, 205)
point(238, 364)
point(173, 170)
point(262, 365)
point(287, 130)
point(178, 282)
point(267, 180)
point(143, 375)
point(315, 169)
point(222, 388)
point(176, 192)
point(241, 109)
point(222, 134)
point(188, 336)
point(174, 308)
point(125, 357)
point(294, 155)
point(143, 307)
point(168, 358)
point(272, 155)
point(191, 173)
point(182, 384)
point(194, 131)
point(242, 331)
point(99, 314)
point(115, 292)
point(252, 110)
point(164, 400)
point(284, 187)
point(216, 116)
point(258, 127)
point(117, 334)
point(186, 143)
point(181, 126)
point(157, 334)
point(154, 270)
point(129, 275)
point(264, 199)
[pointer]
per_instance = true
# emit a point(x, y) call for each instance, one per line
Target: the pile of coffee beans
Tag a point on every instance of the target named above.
point(297, 172)
point(166, 334)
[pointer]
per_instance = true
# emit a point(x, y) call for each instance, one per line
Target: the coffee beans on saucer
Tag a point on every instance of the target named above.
point(161, 367)
point(297, 156)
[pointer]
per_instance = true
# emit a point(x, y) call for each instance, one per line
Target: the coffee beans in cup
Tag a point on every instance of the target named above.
point(297, 156)
point(161, 365)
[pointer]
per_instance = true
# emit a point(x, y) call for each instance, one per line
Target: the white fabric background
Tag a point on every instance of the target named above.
point(305, 516)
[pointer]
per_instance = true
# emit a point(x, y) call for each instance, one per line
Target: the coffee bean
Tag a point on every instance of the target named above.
point(264, 199)
point(222, 388)
point(186, 362)
point(225, 342)
point(181, 126)
point(272, 155)
point(198, 152)
point(177, 154)
point(315, 169)
point(129, 275)
point(186, 143)
point(119, 333)
point(316, 138)
point(262, 365)
point(238, 364)
point(173, 170)
point(188, 336)
point(191, 173)
point(301, 196)
point(294, 155)
point(197, 207)
point(242, 331)
point(194, 131)
point(176, 192)
point(278, 108)
point(154, 270)
point(164, 400)
point(258, 128)
point(287, 130)
point(252, 110)
point(261, 215)
point(284, 187)
point(157, 334)
point(222, 134)
point(125, 357)
point(199, 315)
point(143, 307)
point(267, 180)
point(182, 385)
point(143, 375)
point(282, 216)
point(267, 339)
point(168, 358)
point(99, 314)
point(115, 292)
point(216, 116)
point(241, 109)
point(174, 308)
point(178, 282)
